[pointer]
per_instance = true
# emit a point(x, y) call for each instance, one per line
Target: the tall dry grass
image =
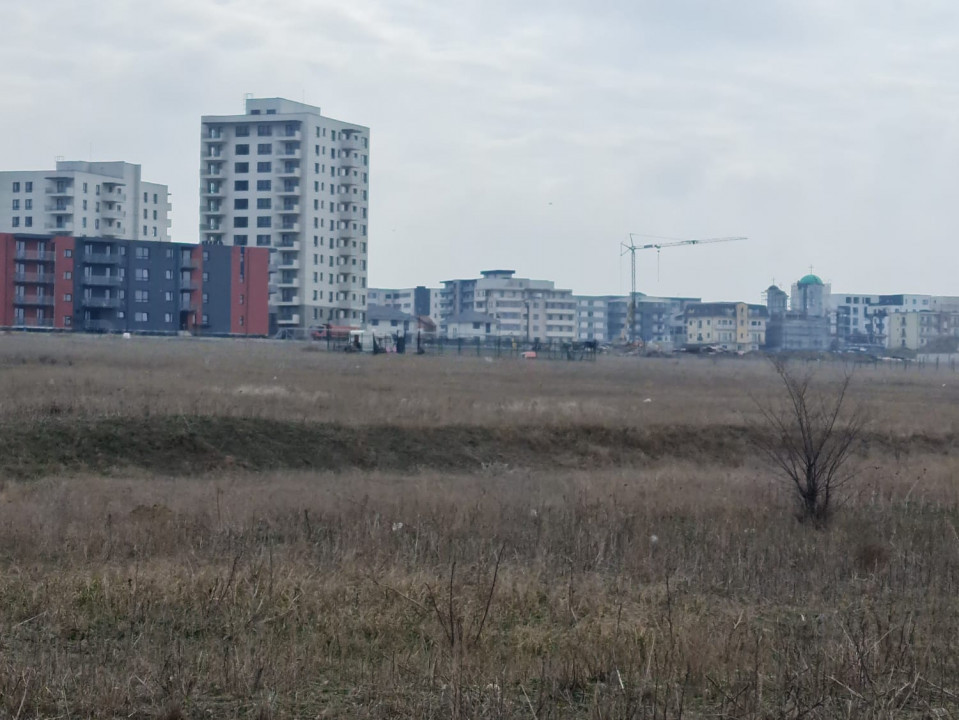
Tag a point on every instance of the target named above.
point(674, 589)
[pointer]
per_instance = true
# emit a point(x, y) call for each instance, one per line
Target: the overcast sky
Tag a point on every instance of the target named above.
point(535, 135)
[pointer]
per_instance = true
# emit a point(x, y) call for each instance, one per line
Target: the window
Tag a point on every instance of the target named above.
point(242, 149)
point(67, 275)
point(242, 298)
point(264, 149)
point(264, 185)
point(239, 240)
point(16, 187)
point(141, 274)
point(143, 253)
point(154, 215)
point(141, 317)
point(141, 296)
point(241, 185)
point(262, 240)
point(264, 221)
point(242, 131)
point(240, 204)
point(241, 167)
point(67, 321)
point(145, 197)
point(263, 203)
point(206, 319)
point(144, 229)
point(167, 274)
point(167, 317)
point(16, 221)
point(67, 297)
point(154, 199)
point(264, 130)
point(241, 222)
point(206, 298)
point(28, 186)
point(205, 277)
point(68, 253)
point(264, 167)
point(28, 221)
point(241, 321)
point(168, 296)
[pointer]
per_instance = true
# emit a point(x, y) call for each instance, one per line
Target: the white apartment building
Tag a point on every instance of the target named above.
point(524, 308)
point(85, 199)
point(284, 176)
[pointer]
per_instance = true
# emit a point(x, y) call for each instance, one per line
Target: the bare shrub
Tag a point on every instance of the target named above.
point(809, 437)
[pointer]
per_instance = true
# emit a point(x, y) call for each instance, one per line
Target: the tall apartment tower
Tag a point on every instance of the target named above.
point(284, 176)
point(85, 199)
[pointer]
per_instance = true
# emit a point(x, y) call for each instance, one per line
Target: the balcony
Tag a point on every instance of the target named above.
point(289, 192)
point(102, 258)
point(113, 197)
point(217, 191)
point(35, 278)
point(37, 255)
point(189, 284)
point(101, 280)
point(286, 244)
point(348, 160)
point(111, 230)
point(63, 227)
point(112, 212)
point(33, 300)
point(291, 283)
point(294, 300)
point(352, 144)
point(293, 319)
point(60, 192)
point(100, 302)
point(288, 264)
point(293, 209)
point(187, 306)
point(345, 285)
point(290, 227)
point(58, 209)
point(288, 172)
point(211, 212)
point(34, 322)
point(187, 262)
point(295, 136)
point(208, 228)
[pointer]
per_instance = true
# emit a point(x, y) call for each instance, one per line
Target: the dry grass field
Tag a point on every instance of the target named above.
point(194, 529)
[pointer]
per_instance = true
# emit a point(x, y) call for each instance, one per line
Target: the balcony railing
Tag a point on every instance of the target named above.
point(38, 255)
point(104, 325)
point(100, 258)
point(33, 322)
point(33, 300)
point(100, 302)
point(101, 280)
point(37, 278)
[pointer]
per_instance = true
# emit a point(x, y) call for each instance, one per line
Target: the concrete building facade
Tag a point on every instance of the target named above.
point(523, 308)
point(734, 326)
point(85, 199)
point(285, 177)
point(111, 285)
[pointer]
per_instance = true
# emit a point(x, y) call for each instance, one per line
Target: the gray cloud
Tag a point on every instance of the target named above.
point(536, 135)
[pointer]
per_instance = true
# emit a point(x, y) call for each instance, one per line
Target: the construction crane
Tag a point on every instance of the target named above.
point(632, 247)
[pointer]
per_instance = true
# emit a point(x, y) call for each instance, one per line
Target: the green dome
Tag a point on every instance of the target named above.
point(810, 280)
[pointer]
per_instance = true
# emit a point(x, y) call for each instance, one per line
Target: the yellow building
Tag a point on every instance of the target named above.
point(738, 327)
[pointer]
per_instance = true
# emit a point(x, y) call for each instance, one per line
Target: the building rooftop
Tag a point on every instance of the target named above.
point(810, 280)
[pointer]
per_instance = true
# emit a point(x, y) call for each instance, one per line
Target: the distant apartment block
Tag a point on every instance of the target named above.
point(103, 284)
point(283, 176)
point(419, 301)
point(592, 317)
point(521, 307)
point(734, 326)
point(862, 319)
point(85, 199)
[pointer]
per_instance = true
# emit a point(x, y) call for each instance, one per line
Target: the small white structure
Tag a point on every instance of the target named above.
point(470, 325)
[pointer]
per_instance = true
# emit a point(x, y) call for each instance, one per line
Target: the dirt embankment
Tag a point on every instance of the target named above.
point(190, 445)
